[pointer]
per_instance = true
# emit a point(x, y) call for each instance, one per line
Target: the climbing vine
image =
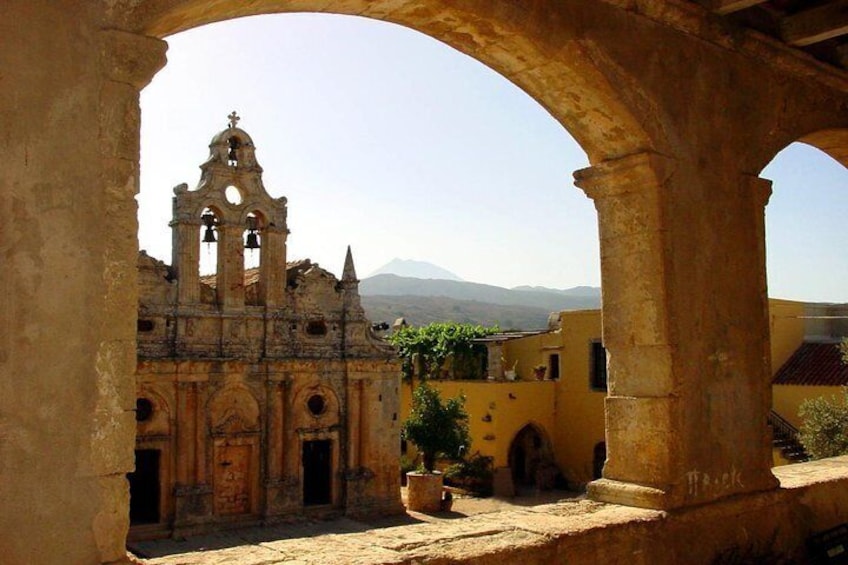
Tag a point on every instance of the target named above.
point(442, 349)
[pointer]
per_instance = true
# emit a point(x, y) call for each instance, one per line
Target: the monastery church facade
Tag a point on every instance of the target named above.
point(262, 393)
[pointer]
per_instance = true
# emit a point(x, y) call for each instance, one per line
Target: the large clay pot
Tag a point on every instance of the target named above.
point(424, 491)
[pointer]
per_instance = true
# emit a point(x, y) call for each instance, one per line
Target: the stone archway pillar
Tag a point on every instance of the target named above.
point(688, 391)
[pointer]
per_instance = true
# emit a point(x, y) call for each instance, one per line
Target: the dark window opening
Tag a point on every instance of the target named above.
point(553, 366)
point(316, 327)
point(598, 376)
point(317, 472)
point(144, 487)
point(143, 409)
point(316, 404)
point(145, 325)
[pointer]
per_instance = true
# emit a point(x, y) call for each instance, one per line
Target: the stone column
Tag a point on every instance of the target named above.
point(272, 268)
point(230, 277)
point(186, 435)
point(68, 284)
point(354, 429)
point(186, 260)
point(274, 445)
point(684, 330)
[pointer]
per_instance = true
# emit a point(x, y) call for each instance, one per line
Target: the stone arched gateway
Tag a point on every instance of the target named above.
point(677, 109)
point(531, 459)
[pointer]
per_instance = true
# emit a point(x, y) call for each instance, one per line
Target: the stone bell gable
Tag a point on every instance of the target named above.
point(262, 392)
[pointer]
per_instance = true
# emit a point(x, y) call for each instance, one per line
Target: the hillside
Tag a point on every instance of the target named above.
point(422, 310)
point(387, 297)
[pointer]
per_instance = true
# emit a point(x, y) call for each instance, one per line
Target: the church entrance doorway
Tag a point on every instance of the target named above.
point(232, 479)
point(317, 472)
point(144, 487)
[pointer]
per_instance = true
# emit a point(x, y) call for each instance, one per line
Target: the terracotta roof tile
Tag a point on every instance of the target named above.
point(814, 364)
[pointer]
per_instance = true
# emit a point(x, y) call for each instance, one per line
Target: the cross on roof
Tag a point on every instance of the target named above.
point(234, 119)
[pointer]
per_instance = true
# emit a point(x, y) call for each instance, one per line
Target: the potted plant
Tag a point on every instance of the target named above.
point(539, 372)
point(437, 429)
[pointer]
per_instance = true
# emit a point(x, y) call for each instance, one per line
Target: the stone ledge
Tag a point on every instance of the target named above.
point(756, 526)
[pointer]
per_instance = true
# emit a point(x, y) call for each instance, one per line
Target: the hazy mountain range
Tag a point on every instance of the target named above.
point(421, 300)
point(415, 269)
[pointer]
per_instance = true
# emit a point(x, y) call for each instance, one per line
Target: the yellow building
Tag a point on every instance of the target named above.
point(532, 425)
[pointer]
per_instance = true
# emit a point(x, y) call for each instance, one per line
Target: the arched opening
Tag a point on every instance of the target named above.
point(531, 459)
point(602, 138)
point(805, 231)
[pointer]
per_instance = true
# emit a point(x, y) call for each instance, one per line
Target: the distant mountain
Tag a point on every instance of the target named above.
point(450, 300)
point(584, 291)
point(422, 310)
point(415, 269)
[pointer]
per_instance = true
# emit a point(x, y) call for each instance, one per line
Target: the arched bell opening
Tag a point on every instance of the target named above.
point(254, 258)
point(210, 220)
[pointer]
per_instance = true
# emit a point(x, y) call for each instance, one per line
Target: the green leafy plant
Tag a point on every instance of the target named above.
point(435, 349)
point(474, 473)
point(824, 431)
point(437, 428)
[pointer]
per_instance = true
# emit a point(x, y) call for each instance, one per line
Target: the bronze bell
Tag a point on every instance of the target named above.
point(209, 221)
point(252, 240)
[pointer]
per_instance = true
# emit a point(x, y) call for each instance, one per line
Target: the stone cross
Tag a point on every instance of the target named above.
point(234, 119)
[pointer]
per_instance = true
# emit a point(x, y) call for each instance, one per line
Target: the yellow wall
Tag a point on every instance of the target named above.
point(787, 399)
point(580, 410)
point(786, 329)
point(511, 405)
point(568, 410)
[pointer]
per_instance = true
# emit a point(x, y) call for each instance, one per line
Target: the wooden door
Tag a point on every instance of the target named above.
point(232, 479)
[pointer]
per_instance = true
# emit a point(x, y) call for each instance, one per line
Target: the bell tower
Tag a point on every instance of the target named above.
point(229, 211)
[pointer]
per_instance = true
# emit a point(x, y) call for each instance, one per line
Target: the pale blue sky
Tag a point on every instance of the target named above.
point(387, 140)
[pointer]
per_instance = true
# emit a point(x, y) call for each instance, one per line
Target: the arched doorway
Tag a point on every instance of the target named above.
point(531, 459)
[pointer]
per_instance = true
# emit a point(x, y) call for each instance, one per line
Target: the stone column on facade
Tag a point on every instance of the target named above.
point(291, 496)
point(185, 260)
point(230, 276)
point(186, 435)
point(668, 443)
point(274, 445)
point(201, 435)
point(272, 267)
point(354, 430)
point(364, 422)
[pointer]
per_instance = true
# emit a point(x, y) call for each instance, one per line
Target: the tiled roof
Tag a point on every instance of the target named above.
point(814, 364)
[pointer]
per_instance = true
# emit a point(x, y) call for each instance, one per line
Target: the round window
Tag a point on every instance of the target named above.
point(316, 404)
point(143, 409)
point(233, 195)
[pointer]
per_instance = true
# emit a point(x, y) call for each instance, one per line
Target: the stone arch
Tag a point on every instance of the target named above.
point(559, 68)
point(233, 410)
point(531, 457)
point(306, 418)
point(834, 142)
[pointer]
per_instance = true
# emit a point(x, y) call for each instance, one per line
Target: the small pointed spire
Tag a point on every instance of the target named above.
point(349, 273)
